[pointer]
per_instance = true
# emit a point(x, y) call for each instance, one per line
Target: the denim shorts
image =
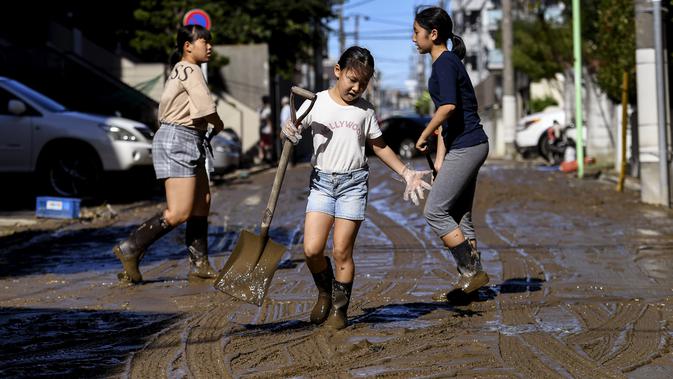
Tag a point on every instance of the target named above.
point(342, 195)
point(178, 151)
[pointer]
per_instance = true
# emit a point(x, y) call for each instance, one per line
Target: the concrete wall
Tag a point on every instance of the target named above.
point(239, 117)
point(147, 78)
point(246, 77)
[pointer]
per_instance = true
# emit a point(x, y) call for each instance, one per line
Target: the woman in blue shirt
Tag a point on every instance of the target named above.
point(461, 150)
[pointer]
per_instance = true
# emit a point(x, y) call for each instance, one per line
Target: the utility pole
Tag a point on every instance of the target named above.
point(420, 72)
point(342, 34)
point(318, 55)
point(653, 142)
point(505, 144)
point(356, 34)
point(664, 180)
point(579, 122)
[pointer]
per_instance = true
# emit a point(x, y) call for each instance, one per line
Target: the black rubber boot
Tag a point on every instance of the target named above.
point(341, 297)
point(196, 239)
point(131, 251)
point(323, 280)
point(468, 259)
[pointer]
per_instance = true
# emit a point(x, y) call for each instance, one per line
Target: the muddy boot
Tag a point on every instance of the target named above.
point(196, 239)
point(472, 276)
point(341, 297)
point(131, 251)
point(323, 280)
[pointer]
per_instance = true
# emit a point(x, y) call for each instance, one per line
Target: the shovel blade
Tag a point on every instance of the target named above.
point(249, 270)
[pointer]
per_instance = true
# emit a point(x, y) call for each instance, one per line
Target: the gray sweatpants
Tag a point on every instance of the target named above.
point(449, 203)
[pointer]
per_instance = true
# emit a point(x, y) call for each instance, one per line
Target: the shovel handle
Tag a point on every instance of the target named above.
point(431, 164)
point(303, 93)
point(284, 159)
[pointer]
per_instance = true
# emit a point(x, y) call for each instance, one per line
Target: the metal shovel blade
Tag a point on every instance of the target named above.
point(249, 270)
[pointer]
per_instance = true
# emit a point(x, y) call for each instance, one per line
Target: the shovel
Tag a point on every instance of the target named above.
point(249, 270)
point(431, 164)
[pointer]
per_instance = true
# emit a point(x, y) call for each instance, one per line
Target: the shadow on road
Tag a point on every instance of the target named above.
point(117, 188)
point(90, 249)
point(72, 343)
point(456, 298)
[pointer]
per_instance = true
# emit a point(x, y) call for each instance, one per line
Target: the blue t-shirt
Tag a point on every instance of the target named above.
point(450, 84)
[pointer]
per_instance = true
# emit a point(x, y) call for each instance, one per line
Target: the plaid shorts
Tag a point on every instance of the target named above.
point(178, 151)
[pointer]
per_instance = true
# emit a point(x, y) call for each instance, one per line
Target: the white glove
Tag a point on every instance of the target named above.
point(415, 184)
point(291, 132)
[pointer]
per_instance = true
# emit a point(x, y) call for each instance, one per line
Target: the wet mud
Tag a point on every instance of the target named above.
point(581, 286)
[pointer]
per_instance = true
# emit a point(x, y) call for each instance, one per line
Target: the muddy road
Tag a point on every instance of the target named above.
point(581, 286)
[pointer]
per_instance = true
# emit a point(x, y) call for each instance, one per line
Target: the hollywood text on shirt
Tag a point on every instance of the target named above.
point(345, 124)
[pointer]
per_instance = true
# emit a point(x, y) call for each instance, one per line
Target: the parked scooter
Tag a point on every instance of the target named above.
point(560, 142)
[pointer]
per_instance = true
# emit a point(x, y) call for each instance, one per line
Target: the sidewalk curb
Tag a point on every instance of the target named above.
point(630, 183)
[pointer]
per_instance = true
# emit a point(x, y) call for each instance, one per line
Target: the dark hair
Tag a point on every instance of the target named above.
point(358, 59)
point(188, 33)
point(437, 18)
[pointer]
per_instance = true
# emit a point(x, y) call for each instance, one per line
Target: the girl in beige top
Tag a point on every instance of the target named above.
point(178, 152)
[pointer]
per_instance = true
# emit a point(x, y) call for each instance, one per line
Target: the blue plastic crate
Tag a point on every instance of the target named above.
point(56, 207)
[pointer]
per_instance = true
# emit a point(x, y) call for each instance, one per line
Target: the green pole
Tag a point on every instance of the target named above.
point(577, 48)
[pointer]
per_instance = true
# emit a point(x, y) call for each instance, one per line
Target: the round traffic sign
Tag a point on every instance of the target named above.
point(197, 17)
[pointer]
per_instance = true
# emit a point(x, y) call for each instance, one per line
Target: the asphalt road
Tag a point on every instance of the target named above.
point(581, 286)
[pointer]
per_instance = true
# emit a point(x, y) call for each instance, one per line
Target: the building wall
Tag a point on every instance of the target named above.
point(246, 77)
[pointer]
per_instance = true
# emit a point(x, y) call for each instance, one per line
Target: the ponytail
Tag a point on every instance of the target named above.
point(175, 57)
point(458, 46)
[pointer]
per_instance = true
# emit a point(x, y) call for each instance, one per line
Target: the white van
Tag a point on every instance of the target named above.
point(69, 151)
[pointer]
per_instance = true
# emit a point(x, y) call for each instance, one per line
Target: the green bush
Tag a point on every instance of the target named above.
point(538, 104)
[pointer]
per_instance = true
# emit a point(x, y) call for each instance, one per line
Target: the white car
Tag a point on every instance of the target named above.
point(69, 151)
point(531, 131)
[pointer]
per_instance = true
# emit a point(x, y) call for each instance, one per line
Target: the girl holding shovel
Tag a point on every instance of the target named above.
point(341, 122)
point(461, 150)
point(178, 152)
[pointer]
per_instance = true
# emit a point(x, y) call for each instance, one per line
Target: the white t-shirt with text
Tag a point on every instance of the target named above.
point(339, 132)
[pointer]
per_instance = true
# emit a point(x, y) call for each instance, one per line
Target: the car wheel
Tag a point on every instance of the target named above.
point(544, 148)
point(407, 149)
point(72, 172)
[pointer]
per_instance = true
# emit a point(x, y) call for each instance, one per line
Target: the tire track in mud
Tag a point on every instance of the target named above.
point(308, 348)
point(235, 339)
point(643, 342)
point(280, 346)
point(610, 344)
point(518, 312)
point(626, 339)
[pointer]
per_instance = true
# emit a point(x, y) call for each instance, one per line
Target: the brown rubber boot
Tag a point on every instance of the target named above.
point(196, 239)
point(131, 251)
point(323, 280)
point(341, 297)
point(471, 274)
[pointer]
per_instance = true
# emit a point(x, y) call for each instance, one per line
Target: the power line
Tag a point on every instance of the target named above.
point(357, 4)
point(391, 60)
point(405, 30)
point(388, 21)
point(400, 38)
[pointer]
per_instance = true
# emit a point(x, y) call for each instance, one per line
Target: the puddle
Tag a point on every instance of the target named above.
point(72, 343)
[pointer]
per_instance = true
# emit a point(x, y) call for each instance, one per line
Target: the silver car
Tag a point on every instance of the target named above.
point(226, 151)
point(68, 151)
